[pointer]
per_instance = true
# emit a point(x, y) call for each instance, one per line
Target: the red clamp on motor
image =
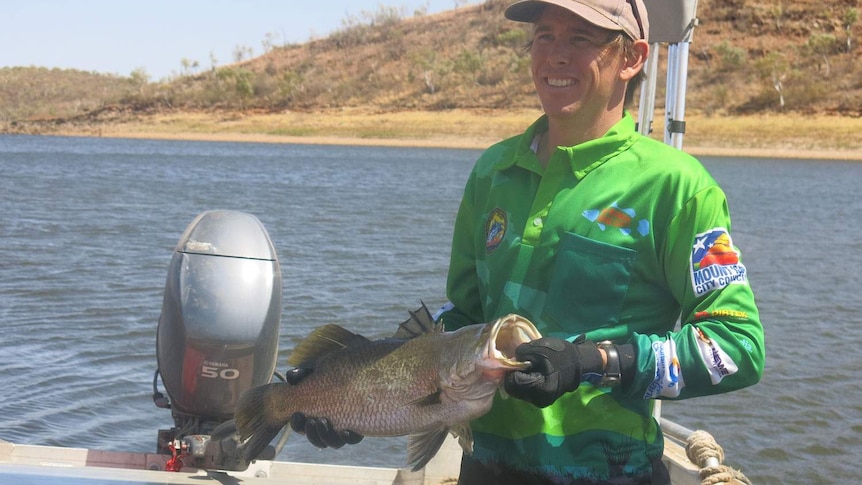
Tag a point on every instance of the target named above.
point(175, 463)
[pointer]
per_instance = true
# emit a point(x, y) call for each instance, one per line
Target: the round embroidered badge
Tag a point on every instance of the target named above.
point(495, 229)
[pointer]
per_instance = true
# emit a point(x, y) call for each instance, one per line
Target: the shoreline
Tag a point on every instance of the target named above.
point(762, 136)
point(455, 143)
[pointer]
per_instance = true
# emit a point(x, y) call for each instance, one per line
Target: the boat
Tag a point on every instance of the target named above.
point(209, 256)
point(47, 465)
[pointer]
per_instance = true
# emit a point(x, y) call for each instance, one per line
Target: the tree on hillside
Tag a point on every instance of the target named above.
point(851, 16)
point(139, 79)
point(819, 47)
point(189, 66)
point(241, 52)
point(773, 69)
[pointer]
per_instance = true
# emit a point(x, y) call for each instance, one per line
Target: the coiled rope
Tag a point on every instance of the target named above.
point(705, 452)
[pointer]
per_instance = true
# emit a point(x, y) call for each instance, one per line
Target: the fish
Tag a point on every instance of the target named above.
point(423, 382)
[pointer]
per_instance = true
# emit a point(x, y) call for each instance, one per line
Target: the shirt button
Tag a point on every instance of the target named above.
point(537, 221)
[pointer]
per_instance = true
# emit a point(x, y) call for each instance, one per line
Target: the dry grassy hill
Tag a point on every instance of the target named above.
point(747, 57)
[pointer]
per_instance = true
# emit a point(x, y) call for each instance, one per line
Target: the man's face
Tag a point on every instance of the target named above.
point(576, 74)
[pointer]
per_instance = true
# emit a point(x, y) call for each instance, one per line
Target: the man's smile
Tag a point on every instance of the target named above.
point(560, 82)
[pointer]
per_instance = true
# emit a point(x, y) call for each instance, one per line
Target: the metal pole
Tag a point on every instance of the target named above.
point(676, 124)
point(671, 22)
point(675, 430)
point(646, 109)
point(671, 90)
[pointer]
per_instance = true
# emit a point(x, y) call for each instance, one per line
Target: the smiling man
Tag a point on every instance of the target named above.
point(604, 239)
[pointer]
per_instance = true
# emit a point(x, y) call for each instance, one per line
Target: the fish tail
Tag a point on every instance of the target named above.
point(256, 422)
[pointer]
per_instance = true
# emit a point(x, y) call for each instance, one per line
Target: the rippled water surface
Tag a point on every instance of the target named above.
point(88, 227)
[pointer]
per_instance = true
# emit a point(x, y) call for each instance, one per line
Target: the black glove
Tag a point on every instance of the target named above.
point(556, 367)
point(319, 431)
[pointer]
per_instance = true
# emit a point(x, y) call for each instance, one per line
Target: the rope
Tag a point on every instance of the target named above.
point(704, 452)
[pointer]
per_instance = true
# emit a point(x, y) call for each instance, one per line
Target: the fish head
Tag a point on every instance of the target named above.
point(480, 355)
point(499, 341)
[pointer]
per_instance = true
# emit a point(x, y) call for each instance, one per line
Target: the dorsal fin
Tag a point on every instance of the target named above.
point(322, 341)
point(419, 323)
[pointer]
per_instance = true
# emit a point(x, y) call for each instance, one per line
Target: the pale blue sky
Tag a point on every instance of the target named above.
point(119, 36)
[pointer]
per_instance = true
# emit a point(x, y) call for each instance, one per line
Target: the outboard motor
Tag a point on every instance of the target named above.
point(218, 330)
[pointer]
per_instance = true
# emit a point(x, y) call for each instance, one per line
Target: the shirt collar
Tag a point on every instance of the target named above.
point(584, 157)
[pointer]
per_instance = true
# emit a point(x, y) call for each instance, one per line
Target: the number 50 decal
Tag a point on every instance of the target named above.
point(219, 373)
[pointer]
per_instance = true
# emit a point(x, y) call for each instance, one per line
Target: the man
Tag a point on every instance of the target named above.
point(604, 239)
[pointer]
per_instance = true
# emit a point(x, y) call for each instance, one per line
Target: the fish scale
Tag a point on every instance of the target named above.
point(372, 398)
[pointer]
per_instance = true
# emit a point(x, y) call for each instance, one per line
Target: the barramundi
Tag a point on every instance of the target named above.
point(423, 382)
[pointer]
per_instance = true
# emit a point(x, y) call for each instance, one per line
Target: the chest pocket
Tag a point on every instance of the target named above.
point(588, 284)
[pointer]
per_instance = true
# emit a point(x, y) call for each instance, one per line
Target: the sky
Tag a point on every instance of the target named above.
point(163, 37)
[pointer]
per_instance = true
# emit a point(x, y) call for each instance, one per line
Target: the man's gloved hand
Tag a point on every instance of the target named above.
point(319, 431)
point(556, 367)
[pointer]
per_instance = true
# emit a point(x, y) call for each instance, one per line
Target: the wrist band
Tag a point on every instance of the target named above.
point(613, 373)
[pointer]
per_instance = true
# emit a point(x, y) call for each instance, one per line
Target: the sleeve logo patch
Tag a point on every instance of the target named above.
point(718, 363)
point(668, 381)
point(714, 262)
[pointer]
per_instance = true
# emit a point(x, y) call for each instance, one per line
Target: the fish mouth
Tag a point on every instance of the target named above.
point(505, 335)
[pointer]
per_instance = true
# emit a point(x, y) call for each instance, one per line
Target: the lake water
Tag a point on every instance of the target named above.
point(88, 227)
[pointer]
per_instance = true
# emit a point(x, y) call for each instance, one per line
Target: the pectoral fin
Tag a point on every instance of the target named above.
point(429, 400)
point(465, 437)
point(422, 447)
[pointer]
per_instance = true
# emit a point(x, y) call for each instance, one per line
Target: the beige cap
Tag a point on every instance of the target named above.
point(629, 16)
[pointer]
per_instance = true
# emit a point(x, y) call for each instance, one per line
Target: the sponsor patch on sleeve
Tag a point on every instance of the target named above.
point(714, 262)
point(668, 380)
point(717, 362)
point(447, 307)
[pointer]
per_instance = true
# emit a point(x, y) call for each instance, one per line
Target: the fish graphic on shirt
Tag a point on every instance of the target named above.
point(615, 216)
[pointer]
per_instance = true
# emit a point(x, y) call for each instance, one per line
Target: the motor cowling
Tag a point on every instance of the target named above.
point(218, 330)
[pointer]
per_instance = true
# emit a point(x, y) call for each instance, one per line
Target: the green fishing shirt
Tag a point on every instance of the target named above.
point(619, 239)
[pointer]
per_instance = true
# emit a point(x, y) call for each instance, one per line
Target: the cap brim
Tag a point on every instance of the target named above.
point(529, 10)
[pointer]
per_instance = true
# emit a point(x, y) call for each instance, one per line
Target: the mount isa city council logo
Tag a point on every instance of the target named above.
point(714, 262)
